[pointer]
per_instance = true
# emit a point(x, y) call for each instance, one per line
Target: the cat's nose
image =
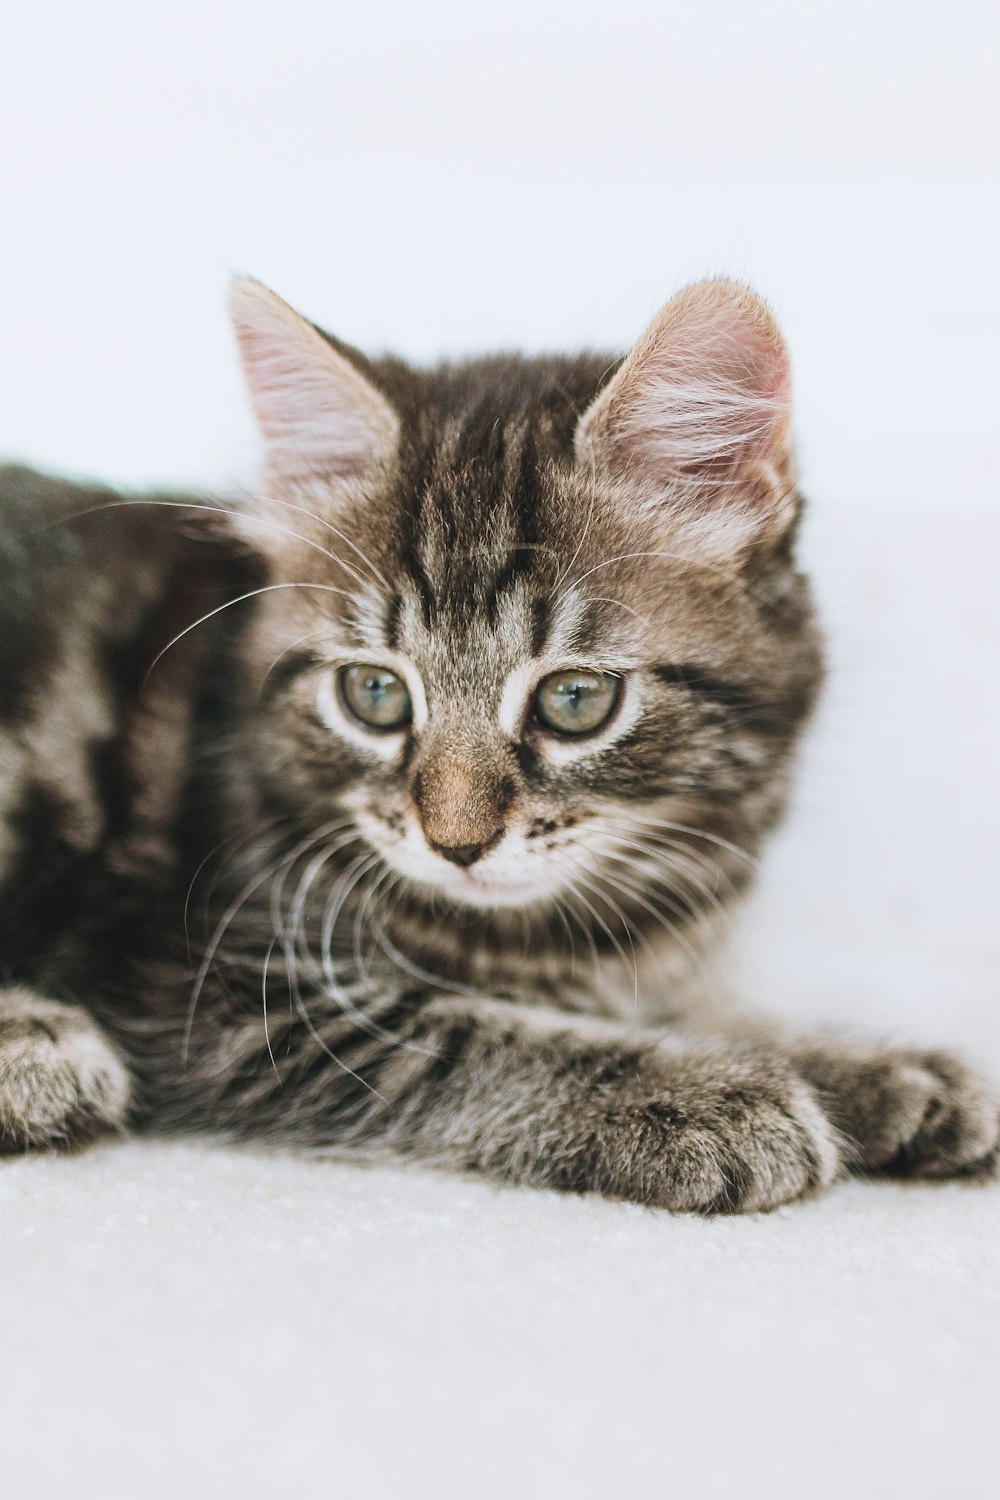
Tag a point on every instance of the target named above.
point(467, 854)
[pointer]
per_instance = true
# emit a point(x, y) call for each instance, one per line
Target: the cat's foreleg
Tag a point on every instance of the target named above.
point(61, 1081)
point(545, 1098)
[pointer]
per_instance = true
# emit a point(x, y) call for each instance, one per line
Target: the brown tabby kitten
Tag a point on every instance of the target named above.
point(389, 810)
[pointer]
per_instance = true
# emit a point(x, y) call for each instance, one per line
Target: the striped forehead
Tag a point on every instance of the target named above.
point(481, 580)
point(473, 513)
point(523, 624)
point(449, 646)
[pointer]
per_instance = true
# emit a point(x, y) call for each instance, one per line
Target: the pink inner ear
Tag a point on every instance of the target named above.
point(705, 391)
point(317, 412)
point(274, 384)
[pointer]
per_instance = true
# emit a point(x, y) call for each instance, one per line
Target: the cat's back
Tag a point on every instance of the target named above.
point(92, 585)
point(75, 571)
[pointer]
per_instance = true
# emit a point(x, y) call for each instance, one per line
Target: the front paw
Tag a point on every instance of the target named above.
point(739, 1133)
point(907, 1112)
point(60, 1080)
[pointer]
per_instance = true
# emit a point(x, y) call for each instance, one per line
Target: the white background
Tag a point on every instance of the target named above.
point(434, 179)
point(446, 178)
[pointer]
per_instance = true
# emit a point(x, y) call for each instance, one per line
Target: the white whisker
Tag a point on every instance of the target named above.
point(578, 880)
point(263, 991)
point(270, 588)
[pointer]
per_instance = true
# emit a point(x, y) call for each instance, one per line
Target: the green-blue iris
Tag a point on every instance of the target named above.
point(576, 702)
point(376, 696)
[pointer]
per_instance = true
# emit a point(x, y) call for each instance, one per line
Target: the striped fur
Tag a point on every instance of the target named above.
point(226, 906)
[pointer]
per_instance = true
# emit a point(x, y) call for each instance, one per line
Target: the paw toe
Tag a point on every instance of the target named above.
point(959, 1128)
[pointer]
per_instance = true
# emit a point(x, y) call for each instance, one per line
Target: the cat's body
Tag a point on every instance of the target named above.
point(446, 921)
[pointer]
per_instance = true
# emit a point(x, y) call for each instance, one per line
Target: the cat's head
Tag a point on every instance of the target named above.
point(528, 620)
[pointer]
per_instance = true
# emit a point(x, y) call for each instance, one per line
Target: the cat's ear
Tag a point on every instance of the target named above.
point(318, 414)
point(696, 421)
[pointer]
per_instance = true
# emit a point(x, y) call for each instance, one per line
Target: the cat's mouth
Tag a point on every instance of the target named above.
point(513, 874)
point(480, 887)
point(494, 881)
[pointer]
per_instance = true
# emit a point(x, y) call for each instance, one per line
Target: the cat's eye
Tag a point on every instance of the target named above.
point(576, 702)
point(376, 696)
